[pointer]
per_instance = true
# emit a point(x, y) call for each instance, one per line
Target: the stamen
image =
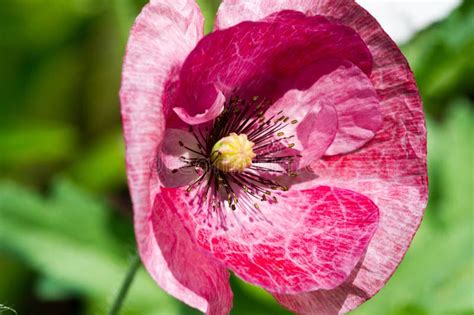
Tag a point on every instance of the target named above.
point(246, 186)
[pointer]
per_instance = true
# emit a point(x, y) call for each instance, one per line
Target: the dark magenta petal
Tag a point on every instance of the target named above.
point(261, 58)
point(163, 35)
point(211, 101)
point(390, 169)
point(308, 240)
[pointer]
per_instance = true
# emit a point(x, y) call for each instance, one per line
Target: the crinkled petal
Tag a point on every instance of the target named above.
point(308, 240)
point(211, 102)
point(261, 58)
point(354, 105)
point(390, 169)
point(162, 36)
point(315, 132)
point(315, 128)
point(357, 105)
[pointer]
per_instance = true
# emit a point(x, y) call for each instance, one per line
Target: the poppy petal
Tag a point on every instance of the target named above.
point(390, 169)
point(212, 103)
point(308, 240)
point(172, 170)
point(262, 58)
point(162, 36)
point(315, 124)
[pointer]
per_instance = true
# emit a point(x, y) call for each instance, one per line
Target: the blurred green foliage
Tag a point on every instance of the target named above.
point(70, 240)
point(65, 250)
point(441, 57)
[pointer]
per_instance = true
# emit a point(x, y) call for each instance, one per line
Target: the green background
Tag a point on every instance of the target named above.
point(65, 214)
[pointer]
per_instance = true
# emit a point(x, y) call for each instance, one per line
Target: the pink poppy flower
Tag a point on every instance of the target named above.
point(287, 146)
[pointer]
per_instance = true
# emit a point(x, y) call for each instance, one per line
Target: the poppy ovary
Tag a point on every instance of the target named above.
point(233, 153)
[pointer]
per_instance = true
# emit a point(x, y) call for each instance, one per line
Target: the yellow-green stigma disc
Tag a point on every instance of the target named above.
point(233, 153)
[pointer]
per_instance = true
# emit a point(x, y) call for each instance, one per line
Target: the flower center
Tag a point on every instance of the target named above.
point(233, 153)
point(241, 158)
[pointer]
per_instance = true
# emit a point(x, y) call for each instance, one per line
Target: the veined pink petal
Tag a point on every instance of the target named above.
point(353, 100)
point(190, 266)
point(316, 132)
point(162, 36)
point(316, 125)
point(261, 58)
point(309, 239)
point(391, 169)
point(357, 106)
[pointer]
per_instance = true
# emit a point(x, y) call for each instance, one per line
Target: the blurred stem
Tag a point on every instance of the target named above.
point(132, 271)
point(6, 308)
point(209, 10)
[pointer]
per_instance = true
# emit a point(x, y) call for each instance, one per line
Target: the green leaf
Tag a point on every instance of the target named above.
point(67, 238)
